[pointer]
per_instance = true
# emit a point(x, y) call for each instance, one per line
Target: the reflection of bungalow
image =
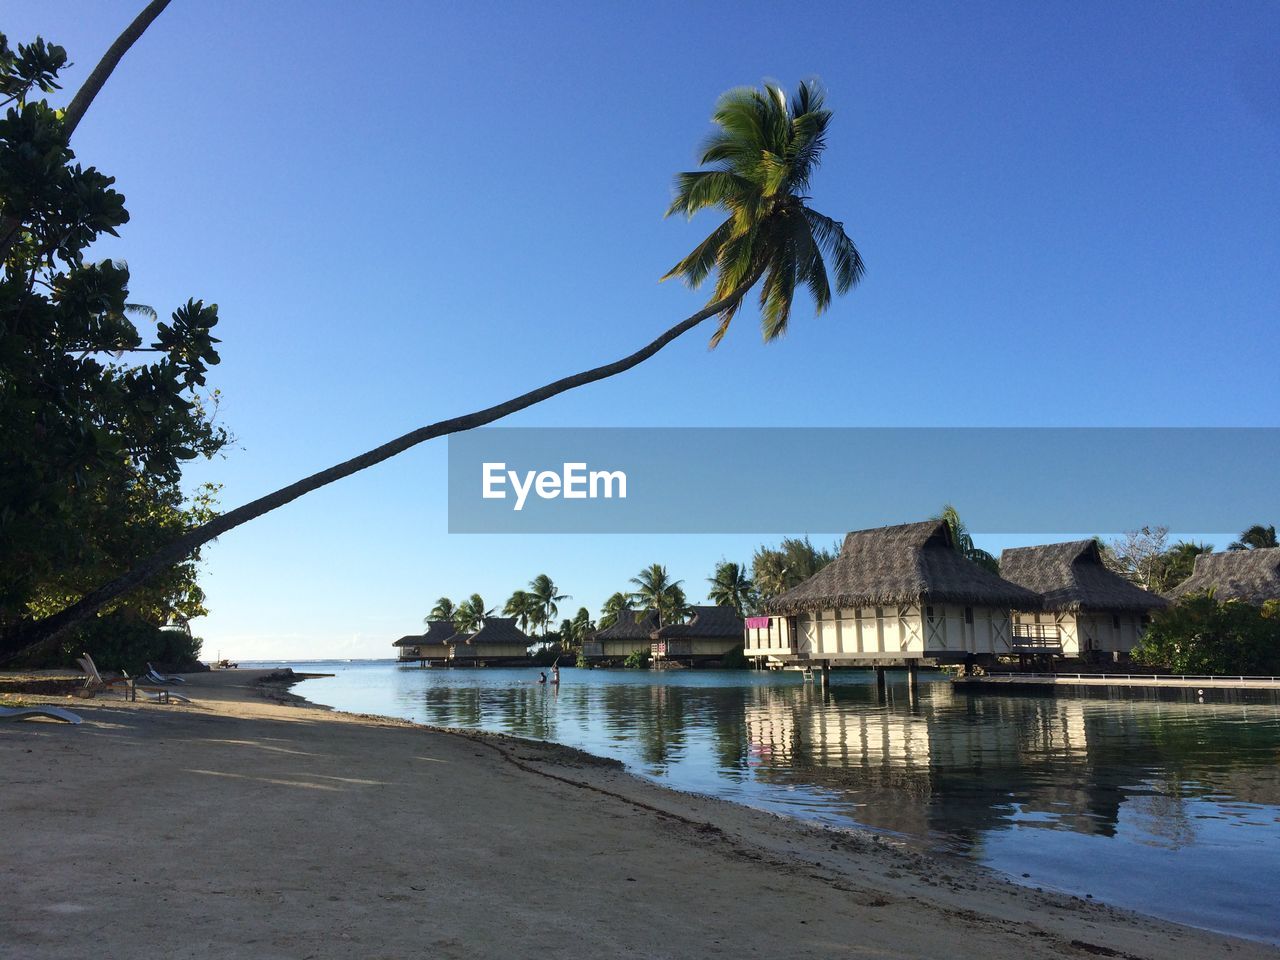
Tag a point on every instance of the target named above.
point(630, 632)
point(710, 634)
point(900, 593)
point(498, 641)
point(1249, 575)
point(1085, 607)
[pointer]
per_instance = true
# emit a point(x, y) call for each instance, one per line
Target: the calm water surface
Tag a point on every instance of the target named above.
point(1169, 806)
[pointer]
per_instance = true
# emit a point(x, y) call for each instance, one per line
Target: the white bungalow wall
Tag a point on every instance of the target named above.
point(1086, 630)
point(902, 631)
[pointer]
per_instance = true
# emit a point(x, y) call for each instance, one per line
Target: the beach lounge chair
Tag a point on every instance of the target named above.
point(154, 676)
point(37, 713)
point(153, 692)
point(94, 682)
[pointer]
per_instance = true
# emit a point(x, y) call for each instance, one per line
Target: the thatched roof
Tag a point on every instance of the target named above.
point(1249, 575)
point(438, 631)
point(1072, 576)
point(412, 640)
point(499, 630)
point(909, 563)
point(630, 625)
point(707, 623)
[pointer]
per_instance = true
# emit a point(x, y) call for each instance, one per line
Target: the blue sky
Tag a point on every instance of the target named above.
point(409, 210)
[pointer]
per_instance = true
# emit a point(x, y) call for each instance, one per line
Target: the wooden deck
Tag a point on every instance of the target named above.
point(1119, 680)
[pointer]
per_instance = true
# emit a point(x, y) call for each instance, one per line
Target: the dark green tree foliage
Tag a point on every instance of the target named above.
point(1199, 635)
point(775, 570)
point(93, 445)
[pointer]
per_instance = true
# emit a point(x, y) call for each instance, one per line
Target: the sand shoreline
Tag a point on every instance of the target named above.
point(256, 823)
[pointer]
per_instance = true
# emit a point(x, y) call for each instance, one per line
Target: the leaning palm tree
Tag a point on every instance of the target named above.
point(963, 540)
point(1256, 537)
point(762, 158)
point(470, 614)
point(731, 587)
point(543, 591)
point(443, 610)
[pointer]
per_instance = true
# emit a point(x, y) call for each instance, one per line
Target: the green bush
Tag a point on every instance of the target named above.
point(121, 641)
point(735, 659)
point(1201, 635)
point(637, 658)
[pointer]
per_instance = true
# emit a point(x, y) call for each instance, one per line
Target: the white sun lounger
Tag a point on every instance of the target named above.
point(37, 713)
point(94, 681)
point(155, 676)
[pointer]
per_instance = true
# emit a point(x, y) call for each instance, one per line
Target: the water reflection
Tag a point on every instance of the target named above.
point(1002, 779)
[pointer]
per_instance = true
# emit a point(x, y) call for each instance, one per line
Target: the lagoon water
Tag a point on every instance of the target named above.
point(1163, 804)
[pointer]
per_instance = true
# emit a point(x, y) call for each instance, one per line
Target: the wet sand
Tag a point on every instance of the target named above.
point(253, 825)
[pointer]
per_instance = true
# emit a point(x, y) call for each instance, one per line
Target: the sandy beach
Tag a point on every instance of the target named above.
point(251, 825)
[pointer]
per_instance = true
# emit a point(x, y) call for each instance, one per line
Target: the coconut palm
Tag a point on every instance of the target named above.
point(443, 610)
point(615, 607)
point(525, 607)
point(731, 587)
point(574, 631)
point(762, 157)
point(1256, 537)
point(470, 614)
point(964, 542)
point(656, 591)
point(543, 591)
point(775, 570)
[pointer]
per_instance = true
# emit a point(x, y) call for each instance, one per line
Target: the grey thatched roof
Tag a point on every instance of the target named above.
point(412, 640)
point(1249, 575)
point(707, 623)
point(1072, 576)
point(499, 630)
point(908, 563)
point(438, 631)
point(630, 625)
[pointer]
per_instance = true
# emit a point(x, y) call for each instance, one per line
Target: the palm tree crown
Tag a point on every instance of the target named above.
point(656, 591)
point(469, 616)
point(731, 587)
point(1256, 537)
point(615, 607)
point(443, 610)
point(525, 607)
point(543, 592)
point(762, 158)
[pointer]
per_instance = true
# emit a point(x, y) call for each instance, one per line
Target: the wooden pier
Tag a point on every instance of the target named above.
point(1118, 680)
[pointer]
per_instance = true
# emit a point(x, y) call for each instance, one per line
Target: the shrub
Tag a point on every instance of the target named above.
point(637, 658)
point(1201, 635)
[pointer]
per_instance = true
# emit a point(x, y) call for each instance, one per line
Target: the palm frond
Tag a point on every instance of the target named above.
point(702, 260)
point(835, 243)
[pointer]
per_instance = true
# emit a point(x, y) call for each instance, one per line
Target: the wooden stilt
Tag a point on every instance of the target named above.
point(880, 685)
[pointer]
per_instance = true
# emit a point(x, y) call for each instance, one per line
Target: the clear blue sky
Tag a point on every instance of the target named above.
point(409, 210)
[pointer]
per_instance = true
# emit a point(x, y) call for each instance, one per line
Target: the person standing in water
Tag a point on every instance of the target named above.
point(555, 676)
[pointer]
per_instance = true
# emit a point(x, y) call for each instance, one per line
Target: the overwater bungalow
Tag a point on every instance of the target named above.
point(498, 642)
point(709, 635)
point(899, 594)
point(429, 647)
point(1086, 610)
point(1252, 576)
point(632, 631)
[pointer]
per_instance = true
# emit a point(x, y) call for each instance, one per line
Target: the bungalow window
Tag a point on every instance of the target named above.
point(928, 612)
point(1115, 620)
point(968, 615)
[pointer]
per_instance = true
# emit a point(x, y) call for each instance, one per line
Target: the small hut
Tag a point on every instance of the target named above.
point(1085, 608)
point(710, 634)
point(629, 633)
point(1252, 576)
point(409, 648)
point(901, 594)
point(498, 642)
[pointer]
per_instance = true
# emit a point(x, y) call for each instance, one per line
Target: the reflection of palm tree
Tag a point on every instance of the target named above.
point(1256, 537)
point(443, 610)
point(731, 587)
point(469, 616)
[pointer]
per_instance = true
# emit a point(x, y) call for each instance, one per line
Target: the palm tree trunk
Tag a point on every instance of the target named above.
point(10, 226)
point(45, 630)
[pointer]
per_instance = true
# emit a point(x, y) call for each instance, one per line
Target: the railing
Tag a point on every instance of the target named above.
point(1180, 677)
point(1037, 631)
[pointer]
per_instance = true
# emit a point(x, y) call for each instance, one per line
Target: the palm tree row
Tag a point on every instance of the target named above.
point(533, 608)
